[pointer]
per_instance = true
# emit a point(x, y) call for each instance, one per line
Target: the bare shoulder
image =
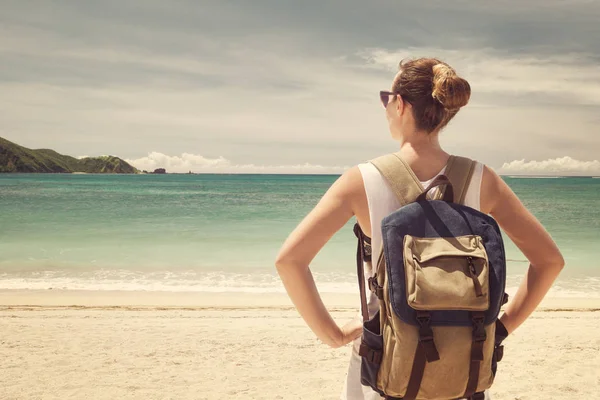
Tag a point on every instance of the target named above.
point(497, 198)
point(492, 186)
point(350, 187)
point(350, 184)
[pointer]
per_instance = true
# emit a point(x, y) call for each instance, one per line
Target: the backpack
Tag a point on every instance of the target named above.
point(440, 281)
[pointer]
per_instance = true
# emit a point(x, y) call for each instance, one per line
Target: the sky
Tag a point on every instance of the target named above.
point(292, 86)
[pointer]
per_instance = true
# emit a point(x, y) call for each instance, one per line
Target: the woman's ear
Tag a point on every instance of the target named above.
point(400, 105)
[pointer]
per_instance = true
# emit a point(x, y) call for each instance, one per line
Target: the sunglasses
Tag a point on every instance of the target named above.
point(385, 97)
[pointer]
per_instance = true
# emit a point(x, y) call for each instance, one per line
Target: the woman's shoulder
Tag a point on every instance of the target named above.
point(492, 185)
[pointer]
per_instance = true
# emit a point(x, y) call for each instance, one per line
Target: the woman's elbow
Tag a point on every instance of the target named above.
point(554, 263)
point(559, 262)
point(280, 262)
point(283, 262)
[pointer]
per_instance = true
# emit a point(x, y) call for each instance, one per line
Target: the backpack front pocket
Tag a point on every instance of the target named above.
point(446, 273)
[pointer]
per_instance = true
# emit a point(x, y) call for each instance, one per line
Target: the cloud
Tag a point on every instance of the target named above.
point(566, 78)
point(564, 166)
point(558, 166)
point(184, 163)
point(199, 164)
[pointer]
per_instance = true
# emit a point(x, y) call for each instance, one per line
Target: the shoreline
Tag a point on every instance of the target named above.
point(135, 300)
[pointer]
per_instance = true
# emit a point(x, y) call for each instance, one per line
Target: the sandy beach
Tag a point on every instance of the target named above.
point(106, 345)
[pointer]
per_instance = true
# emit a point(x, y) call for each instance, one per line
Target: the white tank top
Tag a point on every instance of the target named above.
point(382, 201)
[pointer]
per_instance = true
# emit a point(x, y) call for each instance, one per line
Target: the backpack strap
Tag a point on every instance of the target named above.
point(460, 170)
point(479, 337)
point(399, 176)
point(406, 185)
point(426, 352)
point(360, 271)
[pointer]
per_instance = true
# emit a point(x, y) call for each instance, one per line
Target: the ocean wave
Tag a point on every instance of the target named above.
point(225, 282)
point(169, 281)
point(534, 177)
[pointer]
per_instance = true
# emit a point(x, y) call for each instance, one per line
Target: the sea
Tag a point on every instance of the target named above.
point(221, 233)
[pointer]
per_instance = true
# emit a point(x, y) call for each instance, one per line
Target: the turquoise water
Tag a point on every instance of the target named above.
point(222, 232)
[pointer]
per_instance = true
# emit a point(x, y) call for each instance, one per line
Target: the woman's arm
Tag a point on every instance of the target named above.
point(302, 245)
point(531, 238)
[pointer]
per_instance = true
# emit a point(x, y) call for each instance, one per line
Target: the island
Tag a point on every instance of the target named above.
point(16, 158)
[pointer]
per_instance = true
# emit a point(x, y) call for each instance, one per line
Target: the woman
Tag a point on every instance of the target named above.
point(425, 95)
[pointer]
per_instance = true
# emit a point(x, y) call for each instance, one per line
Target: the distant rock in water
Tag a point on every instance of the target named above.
point(15, 158)
point(160, 171)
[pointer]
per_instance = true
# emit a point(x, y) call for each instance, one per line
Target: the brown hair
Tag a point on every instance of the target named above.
point(434, 90)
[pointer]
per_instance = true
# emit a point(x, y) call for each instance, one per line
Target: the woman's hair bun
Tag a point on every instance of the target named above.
point(450, 90)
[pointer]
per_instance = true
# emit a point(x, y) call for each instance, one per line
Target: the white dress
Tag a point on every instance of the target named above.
point(382, 201)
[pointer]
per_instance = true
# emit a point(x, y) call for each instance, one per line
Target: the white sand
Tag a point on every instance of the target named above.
point(107, 345)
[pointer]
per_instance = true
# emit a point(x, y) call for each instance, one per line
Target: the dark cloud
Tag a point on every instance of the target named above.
point(326, 25)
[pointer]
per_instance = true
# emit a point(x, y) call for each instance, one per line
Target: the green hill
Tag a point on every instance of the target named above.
point(15, 158)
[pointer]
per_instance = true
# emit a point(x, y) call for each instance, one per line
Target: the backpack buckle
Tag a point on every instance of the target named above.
point(371, 355)
point(425, 331)
point(423, 318)
point(426, 340)
point(479, 334)
point(375, 288)
point(373, 282)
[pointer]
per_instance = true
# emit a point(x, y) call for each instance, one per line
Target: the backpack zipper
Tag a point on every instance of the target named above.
point(473, 274)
